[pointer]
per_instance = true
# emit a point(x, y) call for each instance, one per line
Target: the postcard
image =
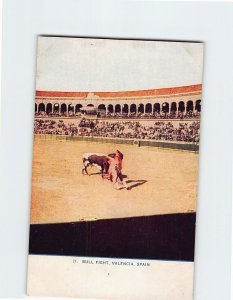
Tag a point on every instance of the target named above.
point(115, 168)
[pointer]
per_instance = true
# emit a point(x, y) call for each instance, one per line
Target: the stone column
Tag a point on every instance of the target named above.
point(185, 107)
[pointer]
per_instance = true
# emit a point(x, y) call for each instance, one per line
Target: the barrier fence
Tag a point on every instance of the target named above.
point(140, 143)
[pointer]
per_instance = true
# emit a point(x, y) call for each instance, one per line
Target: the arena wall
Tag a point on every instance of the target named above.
point(139, 143)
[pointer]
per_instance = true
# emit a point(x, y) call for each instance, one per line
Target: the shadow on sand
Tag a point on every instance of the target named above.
point(97, 173)
point(136, 183)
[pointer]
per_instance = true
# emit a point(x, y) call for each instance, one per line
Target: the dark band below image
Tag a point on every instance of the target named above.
point(166, 237)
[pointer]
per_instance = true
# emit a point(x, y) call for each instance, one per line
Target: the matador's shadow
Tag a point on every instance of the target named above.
point(131, 186)
point(135, 183)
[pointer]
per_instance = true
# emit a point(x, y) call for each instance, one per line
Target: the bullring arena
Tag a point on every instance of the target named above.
point(161, 181)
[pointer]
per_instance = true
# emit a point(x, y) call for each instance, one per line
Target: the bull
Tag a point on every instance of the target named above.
point(96, 159)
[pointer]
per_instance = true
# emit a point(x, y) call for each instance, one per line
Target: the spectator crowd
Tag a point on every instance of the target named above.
point(53, 127)
point(131, 129)
point(154, 115)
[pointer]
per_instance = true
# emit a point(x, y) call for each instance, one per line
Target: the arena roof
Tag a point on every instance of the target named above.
point(137, 93)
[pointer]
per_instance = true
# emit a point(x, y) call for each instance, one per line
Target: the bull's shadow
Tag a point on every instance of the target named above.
point(136, 183)
point(96, 173)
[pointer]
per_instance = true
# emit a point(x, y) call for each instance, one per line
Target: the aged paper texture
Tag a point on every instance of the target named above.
point(115, 165)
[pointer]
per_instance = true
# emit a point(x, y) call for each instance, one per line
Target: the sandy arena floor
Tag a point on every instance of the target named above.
point(161, 181)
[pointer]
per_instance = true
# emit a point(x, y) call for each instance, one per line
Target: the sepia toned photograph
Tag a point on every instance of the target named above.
point(116, 148)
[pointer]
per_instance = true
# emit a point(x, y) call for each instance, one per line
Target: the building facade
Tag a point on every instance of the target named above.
point(173, 100)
